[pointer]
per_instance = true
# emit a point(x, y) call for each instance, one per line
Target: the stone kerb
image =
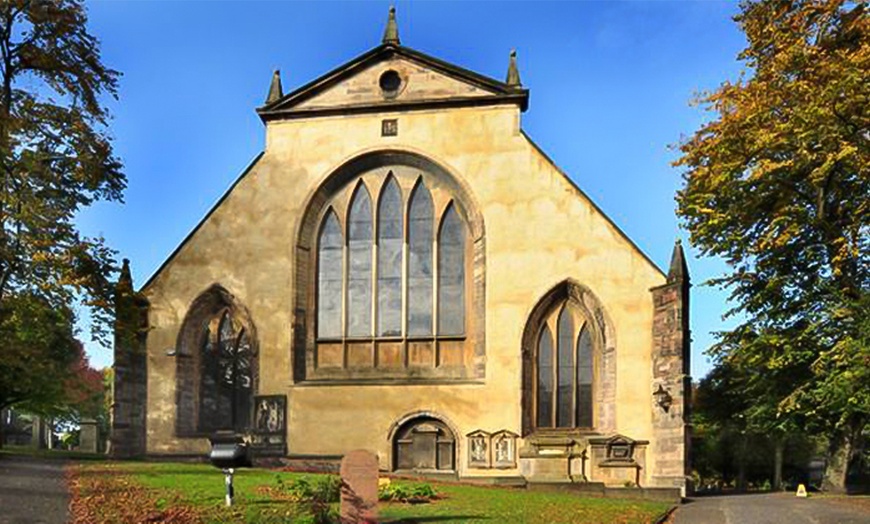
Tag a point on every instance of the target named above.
point(359, 487)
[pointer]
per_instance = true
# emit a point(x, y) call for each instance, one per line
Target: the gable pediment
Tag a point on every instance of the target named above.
point(423, 81)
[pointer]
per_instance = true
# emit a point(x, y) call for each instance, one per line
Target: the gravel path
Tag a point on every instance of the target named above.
point(32, 490)
point(769, 508)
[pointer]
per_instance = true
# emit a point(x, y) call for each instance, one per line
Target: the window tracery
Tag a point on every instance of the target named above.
point(391, 292)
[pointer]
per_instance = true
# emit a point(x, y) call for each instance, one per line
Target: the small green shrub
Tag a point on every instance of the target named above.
point(316, 496)
point(326, 488)
point(405, 493)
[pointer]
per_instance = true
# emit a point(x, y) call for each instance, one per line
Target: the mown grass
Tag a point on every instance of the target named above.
point(201, 486)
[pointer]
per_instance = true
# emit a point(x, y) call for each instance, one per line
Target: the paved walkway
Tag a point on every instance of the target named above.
point(32, 491)
point(768, 508)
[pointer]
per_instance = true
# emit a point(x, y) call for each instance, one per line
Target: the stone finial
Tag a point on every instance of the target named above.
point(513, 74)
point(678, 270)
point(125, 279)
point(275, 89)
point(391, 33)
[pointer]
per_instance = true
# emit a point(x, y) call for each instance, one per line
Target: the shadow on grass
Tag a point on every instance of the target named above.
point(434, 518)
point(24, 451)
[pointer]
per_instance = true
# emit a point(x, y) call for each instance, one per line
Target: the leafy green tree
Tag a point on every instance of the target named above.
point(56, 157)
point(778, 185)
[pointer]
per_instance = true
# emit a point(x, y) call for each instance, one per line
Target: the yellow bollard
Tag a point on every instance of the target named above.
point(801, 491)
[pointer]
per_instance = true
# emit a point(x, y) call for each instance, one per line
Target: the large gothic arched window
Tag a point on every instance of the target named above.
point(391, 292)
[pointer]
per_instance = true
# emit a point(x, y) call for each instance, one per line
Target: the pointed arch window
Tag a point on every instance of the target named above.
point(564, 389)
point(391, 289)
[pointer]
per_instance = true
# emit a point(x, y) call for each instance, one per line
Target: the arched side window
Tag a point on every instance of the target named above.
point(216, 369)
point(404, 295)
point(564, 389)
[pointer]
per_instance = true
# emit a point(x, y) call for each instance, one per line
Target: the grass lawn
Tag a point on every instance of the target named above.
point(188, 493)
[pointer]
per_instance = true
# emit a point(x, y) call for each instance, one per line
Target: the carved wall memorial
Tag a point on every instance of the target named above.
point(269, 435)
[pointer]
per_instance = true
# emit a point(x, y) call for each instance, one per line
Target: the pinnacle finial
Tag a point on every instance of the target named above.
point(125, 279)
point(391, 33)
point(679, 269)
point(275, 89)
point(513, 74)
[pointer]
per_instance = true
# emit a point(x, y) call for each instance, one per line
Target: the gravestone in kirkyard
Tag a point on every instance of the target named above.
point(359, 487)
point(88, 435)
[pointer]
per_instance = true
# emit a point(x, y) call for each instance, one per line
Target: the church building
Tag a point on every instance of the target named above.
point(403, 270)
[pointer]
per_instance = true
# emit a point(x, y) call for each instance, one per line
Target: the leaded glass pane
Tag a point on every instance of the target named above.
point(565, 352)
point(390, 240)
point(451, 275)
point(584, 379)
point(359, 280)
point(209, 397)
point(242, 394)
point(226, 351)
point(329, 276)
point(545, 379)
point(420, 221)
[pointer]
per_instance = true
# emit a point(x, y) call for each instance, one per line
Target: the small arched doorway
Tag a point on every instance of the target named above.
point(424, 444)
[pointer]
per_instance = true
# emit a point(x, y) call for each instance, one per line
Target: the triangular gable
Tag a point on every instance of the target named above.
point(426, 81)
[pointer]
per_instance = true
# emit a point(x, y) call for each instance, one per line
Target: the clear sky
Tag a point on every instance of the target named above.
point(610, 89)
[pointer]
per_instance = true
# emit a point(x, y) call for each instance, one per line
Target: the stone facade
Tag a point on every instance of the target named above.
point(534, 245)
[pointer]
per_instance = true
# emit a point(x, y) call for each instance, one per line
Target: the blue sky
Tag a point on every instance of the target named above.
point(610, 89)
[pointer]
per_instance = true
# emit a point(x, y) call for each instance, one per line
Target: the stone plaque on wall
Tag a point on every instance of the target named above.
point(269, 436)
point(504, 446)
point(478, 449)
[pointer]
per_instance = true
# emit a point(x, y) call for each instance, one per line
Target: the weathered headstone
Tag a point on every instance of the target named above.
point(88, 435)
point(359, 487)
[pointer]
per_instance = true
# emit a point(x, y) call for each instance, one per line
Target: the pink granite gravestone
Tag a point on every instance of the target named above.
point(359, 487)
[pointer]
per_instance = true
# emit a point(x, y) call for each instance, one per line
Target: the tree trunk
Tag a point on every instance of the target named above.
point(845, 454)
point(779, 447)
point(838, 465)
point(741, 465)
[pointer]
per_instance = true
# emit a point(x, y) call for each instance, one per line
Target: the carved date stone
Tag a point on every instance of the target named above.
point(359, 487)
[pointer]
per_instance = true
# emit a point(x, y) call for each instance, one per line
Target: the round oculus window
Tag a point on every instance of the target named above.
point(390, 82)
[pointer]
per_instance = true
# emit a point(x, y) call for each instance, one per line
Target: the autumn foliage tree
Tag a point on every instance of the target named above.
point(778, 185)
point(56, 157)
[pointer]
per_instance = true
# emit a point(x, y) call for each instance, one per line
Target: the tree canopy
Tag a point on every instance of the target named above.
point(778, 185)
point(56, 157)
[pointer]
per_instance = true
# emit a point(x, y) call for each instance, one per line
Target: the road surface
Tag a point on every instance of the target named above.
point(769, 508)
point(32, 491)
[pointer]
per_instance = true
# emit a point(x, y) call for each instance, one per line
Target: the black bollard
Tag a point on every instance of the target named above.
point(228, 480)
